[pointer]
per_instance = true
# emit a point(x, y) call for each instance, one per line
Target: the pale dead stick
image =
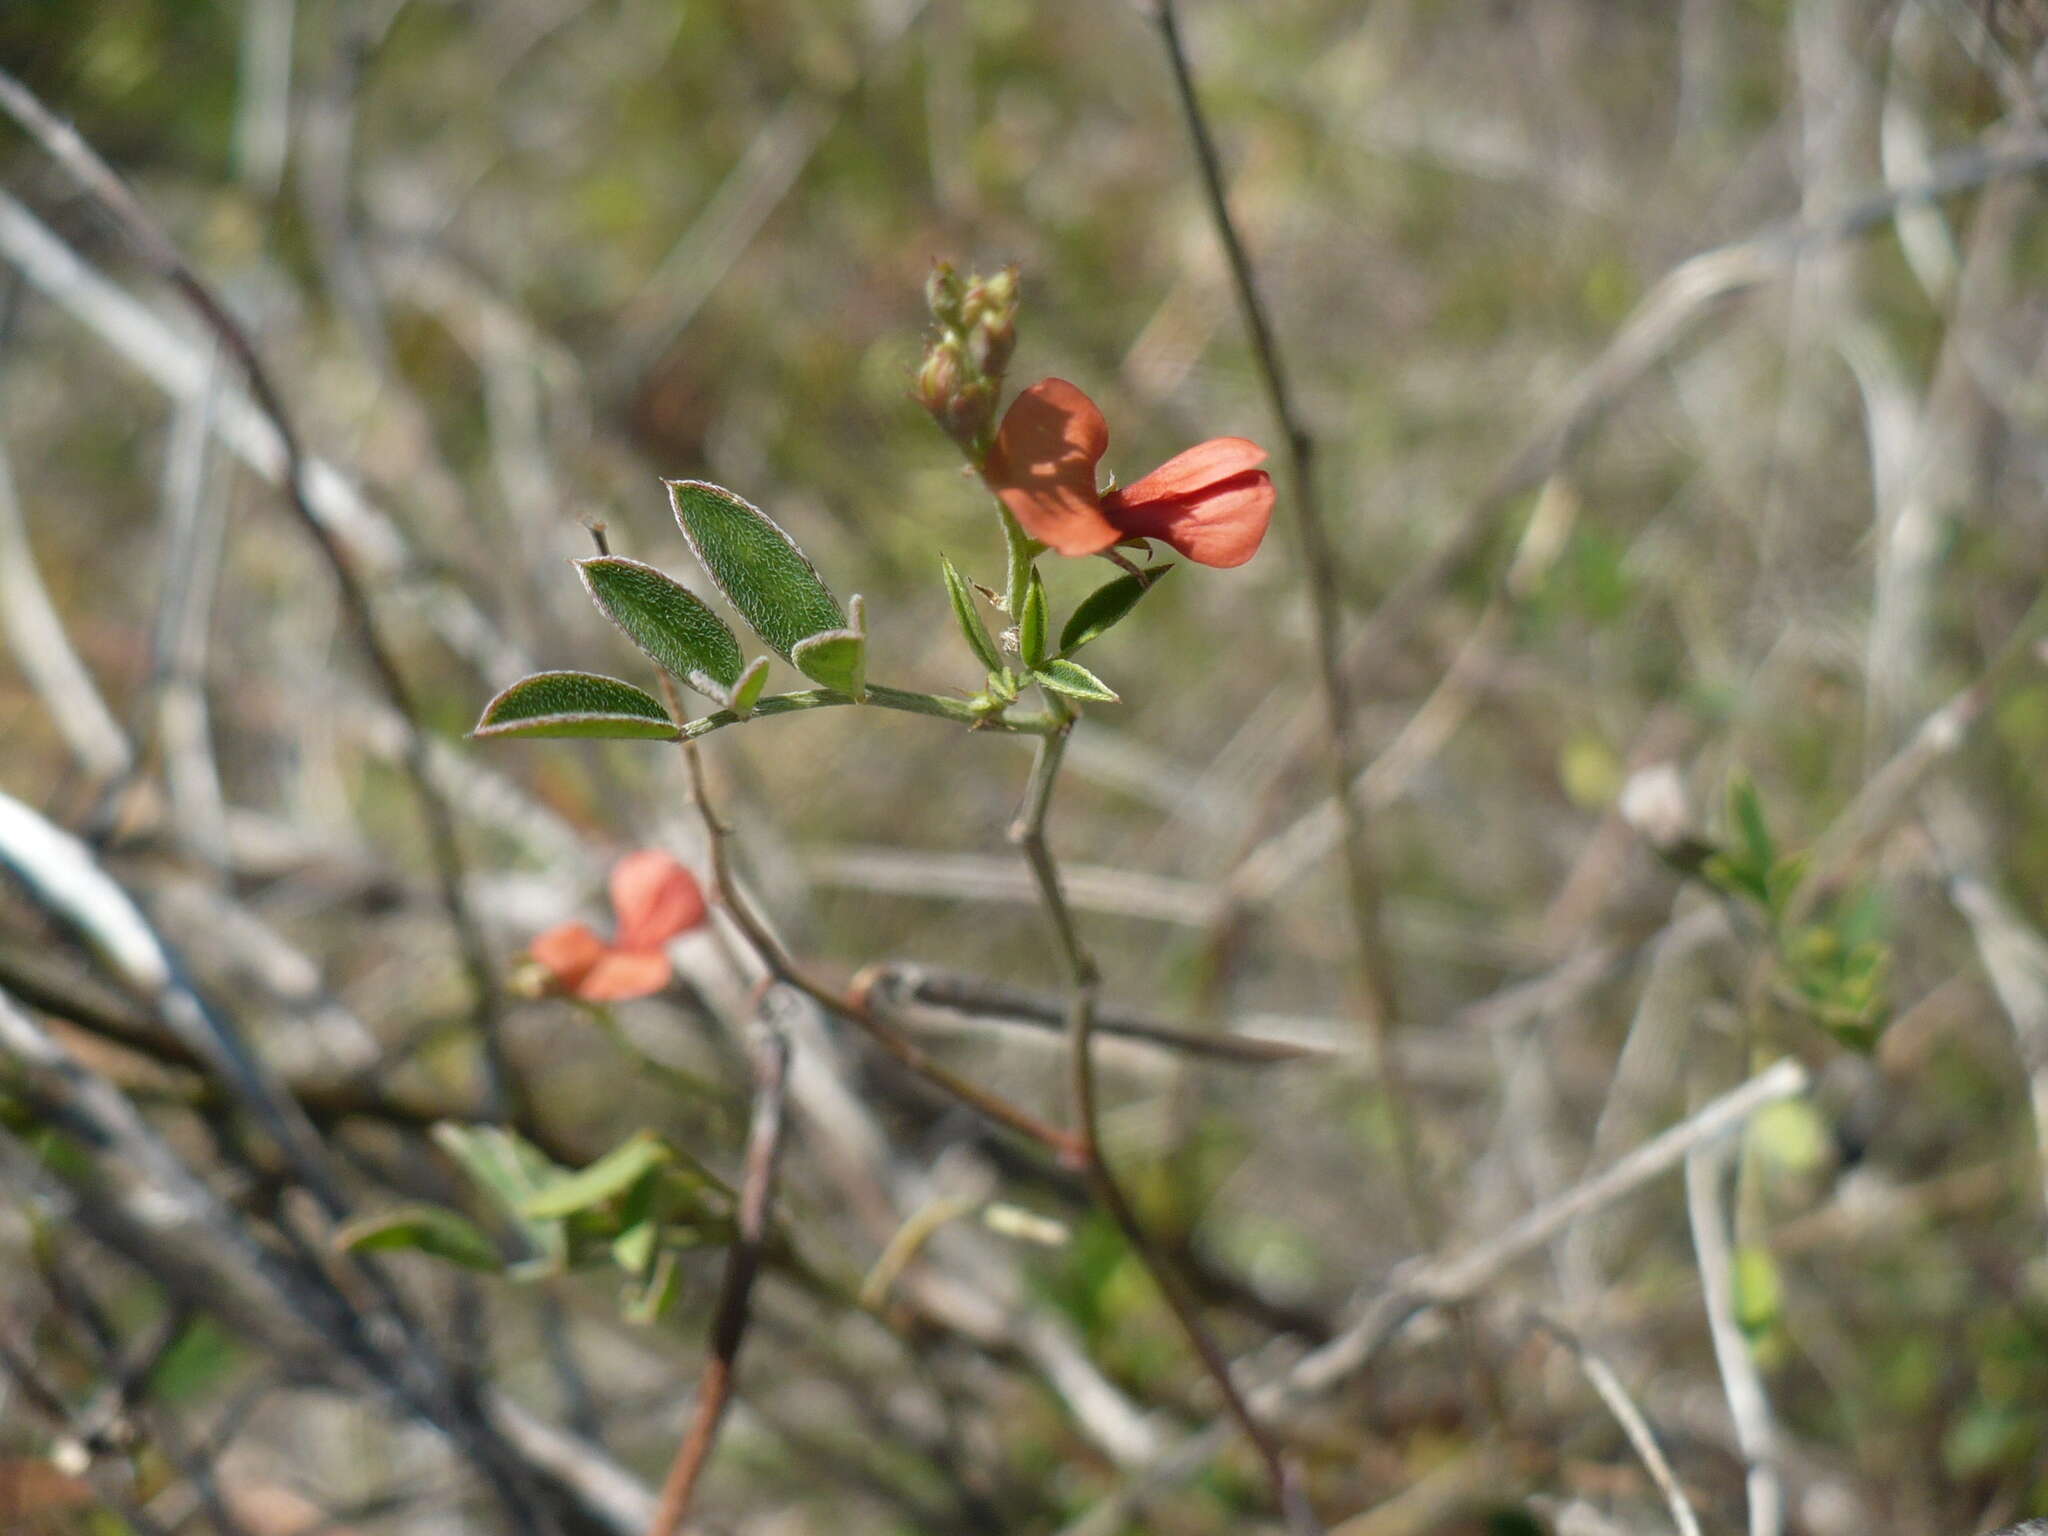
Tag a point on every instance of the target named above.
point(1424, 1284)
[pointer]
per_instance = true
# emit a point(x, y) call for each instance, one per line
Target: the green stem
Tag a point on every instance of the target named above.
point(904, 699)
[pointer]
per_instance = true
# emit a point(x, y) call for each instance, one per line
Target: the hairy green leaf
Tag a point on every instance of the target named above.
point(1070, 677)
point(838, 658)
point(969, 617)
point(756, 565)
point(575, 704)
point(1106, 607)
point(1033, 622)
point(746, 693)
point(665, 619)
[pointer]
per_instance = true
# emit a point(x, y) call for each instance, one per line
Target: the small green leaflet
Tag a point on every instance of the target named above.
point(756, 565)
point(665, 619)
point(1075, 680)
point(1032, 623)
point(838, 658)
point(969, 617)
point(429, 1229)
point(1106, 607)
point(575, 704)
point(746, 693)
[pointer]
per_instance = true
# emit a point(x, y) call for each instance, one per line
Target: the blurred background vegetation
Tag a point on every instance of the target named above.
point(1662, 419)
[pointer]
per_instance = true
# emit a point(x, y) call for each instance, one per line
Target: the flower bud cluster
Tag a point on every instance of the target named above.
point(962, 372)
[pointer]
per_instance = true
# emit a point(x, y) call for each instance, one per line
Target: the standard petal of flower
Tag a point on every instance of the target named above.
point(1190, 472)
point(655, 897)
point(1220, 524)
point(1042, 467)
point(623, 974)
point(567, 952)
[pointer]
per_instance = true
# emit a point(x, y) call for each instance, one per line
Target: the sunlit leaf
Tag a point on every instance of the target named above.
point(551, 704)
point(969, 618)
point(837, 658)
point(1075, 680)
point(1106, 607)
point(665, 619)
point(756, 565)
point(1033, 622)
point(746, 693)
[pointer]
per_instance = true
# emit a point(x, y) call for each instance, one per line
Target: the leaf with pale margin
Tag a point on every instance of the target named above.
point(1033, 623)
point(1074, 680)
point(613, 1174)
point(746, 693)
point(969, 617)
point(755, 564)
point(429, 1229)
point(838, 658)
point(668, 621)
point(1106, 607)
point(550, 704)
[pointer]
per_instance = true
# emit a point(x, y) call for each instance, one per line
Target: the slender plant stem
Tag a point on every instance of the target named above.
point(105, 186)
point(909, 702)
point(1028, 832)
point(735, 1290)
point(852, 1006)
point(1374, 962)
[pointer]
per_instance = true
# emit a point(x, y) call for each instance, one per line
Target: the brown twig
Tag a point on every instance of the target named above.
point(1028, 832)
point(743, 1262)
point(64, 145)
point(849, 1005)
point(900, 987)
point(1447, 1280)
point(1374, 962)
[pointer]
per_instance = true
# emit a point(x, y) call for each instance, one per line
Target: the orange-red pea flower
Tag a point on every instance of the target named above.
point(655, 899)
point(1212, 503)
